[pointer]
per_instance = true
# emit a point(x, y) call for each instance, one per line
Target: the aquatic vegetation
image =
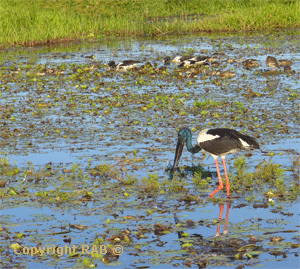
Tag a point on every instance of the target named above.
point(265, 172)
point(6, 169)
point(174, 185)
point(198, 180)
point(105, 171)
point(243, 177)
point(268, 171)
point(130, 180)
point(150, 183)
point(208, 104)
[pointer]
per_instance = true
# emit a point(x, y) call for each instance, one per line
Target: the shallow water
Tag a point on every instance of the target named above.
point(64, 113)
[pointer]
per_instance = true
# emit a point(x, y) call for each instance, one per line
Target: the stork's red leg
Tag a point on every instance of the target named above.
point(220, 180)
point(227, 180)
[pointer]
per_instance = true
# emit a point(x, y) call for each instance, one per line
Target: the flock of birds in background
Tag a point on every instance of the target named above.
point(217, 142)
point(193, 61)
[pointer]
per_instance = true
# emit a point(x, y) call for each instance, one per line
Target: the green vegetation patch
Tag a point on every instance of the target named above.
point(33, 22)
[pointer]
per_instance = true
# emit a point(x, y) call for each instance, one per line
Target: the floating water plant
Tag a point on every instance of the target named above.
point(150, 183)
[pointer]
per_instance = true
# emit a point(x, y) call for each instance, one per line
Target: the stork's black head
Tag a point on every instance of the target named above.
point(184, 136)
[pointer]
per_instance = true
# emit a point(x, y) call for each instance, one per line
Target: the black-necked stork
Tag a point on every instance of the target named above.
point(123, 66)
point(218, 143)
point(272, 62)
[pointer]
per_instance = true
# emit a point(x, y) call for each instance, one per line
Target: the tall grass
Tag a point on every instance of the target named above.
point(29, 22)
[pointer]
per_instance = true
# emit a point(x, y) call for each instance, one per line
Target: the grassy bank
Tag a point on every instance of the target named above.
point(30, 22)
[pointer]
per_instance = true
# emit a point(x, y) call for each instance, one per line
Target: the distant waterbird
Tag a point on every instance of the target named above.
point(285, 63)
point(195, 61)
point(272, 62)
point(200, 60)
point(227, 74)
point(124, 65)
point(249, 63)
point(180, 59)
point(218, 143)
point(167, 60)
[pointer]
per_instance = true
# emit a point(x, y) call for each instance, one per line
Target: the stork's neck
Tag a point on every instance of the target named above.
point(185, 135)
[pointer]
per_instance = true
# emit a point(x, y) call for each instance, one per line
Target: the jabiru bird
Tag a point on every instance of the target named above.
point(218, 143)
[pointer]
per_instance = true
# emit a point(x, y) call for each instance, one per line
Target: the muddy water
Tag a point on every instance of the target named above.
point(63, 114)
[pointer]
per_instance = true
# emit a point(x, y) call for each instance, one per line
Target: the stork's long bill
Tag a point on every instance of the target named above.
point(178, 152)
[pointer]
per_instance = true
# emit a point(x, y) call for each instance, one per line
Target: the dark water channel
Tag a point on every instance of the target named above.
point(85, 153)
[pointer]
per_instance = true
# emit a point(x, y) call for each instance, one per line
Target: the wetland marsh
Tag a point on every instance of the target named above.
point(86, 154)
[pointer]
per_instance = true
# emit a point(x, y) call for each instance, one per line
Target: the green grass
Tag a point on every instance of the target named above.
point(32, 22)
point(266, 172)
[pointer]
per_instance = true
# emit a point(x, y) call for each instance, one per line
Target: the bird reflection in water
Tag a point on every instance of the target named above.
point(272, 84)
point(220, 218)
